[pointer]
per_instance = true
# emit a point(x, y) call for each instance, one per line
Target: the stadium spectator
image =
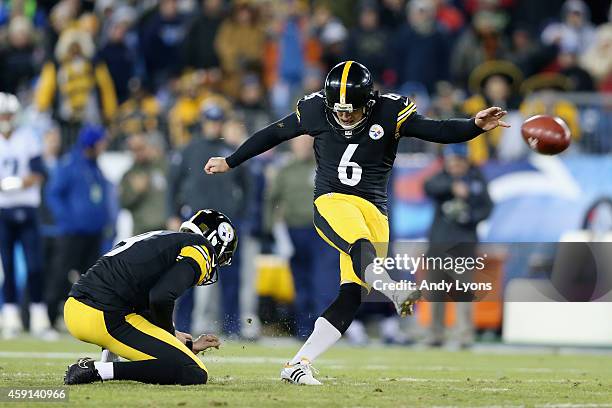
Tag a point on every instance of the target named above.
point(189, 190)
point(568, 66)
point(289, 53)
point(484, 40)
point(240, 44)
point(447, 102)
point(288, 201)
point(313, 80)
point(78, 194)
point(184, 114)
point(535, 14)
point(20, 59)
point(448, 16)
point(234, 134)
point(331, 34)
point(76, 88)
point(21, 174)
point(543, 96)
point(495, 83)
point(198, 48)
point(161, 37)
point(392, 13)
point(142, 189)
point(461, 199)
point(251, 108)
point(575, 30)
point(597, 59)
point(52, 142)
point(104, 10)
point(426, 59)
point(368, 42)
point(89, 23)
point(62, 15)
point(118, 56)
point(140, 114)
point(527, 53)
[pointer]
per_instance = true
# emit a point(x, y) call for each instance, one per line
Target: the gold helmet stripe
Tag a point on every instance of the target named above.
point(345, 72)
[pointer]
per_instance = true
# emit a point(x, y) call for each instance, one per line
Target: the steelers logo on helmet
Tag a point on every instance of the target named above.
point(217, 228)
point(349, 88)
point(225, 231)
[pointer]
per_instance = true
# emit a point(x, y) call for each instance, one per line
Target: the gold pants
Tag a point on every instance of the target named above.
point(130, 336)
point(342, 219)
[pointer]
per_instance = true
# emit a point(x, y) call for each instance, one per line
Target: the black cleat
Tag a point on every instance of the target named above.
point(82, 372)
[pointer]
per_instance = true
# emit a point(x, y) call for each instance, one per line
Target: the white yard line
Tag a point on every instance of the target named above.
point(571, 405)
point(208, 358)
point(416, 379)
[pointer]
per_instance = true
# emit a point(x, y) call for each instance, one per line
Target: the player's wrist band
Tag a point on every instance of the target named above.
point(189, 344)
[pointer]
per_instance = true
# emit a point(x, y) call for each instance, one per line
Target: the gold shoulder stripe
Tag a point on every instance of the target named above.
point(200, 255)
point(345, 73)
point(400, 113)
point(405, 115)
point(401, 121)
point(203, 250)
point(297, 113)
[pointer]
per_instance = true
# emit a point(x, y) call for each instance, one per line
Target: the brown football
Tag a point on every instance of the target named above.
point(546, 134)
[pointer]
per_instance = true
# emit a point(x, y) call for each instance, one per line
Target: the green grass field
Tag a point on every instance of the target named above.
point(243, 374)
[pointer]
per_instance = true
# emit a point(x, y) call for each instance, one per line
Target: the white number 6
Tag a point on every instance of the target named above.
point(345, 162)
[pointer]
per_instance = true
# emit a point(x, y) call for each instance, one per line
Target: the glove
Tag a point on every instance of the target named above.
point(11, 184)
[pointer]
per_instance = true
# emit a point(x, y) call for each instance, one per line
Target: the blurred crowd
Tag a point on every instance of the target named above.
point(174, 82)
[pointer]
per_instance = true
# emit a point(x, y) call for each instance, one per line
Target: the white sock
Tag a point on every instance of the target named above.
point(322, 338)
point(105, 370)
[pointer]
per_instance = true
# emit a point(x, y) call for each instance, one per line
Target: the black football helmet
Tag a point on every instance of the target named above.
point(348, 87)
point(218, 229)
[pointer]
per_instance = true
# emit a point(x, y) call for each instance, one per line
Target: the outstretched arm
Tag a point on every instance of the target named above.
point(453, 130)
point(263, 140)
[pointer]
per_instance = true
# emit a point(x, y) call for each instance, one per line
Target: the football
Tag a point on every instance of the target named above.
point(546, 134)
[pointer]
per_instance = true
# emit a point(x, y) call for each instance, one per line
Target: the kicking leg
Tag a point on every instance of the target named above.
point(349, 224)
point(363, 254)
point(339, 315)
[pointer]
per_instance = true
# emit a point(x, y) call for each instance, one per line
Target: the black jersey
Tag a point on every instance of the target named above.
point(122, 279)
point(356, 164)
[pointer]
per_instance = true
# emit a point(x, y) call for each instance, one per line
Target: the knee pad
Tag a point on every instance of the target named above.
point(192, 375)
point(362, 254)
point(342, 311)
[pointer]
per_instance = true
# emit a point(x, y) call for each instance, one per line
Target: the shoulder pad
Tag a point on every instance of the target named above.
point(402, 105)
point(308, 103)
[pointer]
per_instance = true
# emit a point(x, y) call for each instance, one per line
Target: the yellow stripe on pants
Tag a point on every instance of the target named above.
point(352, 218)
point(87, 324)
